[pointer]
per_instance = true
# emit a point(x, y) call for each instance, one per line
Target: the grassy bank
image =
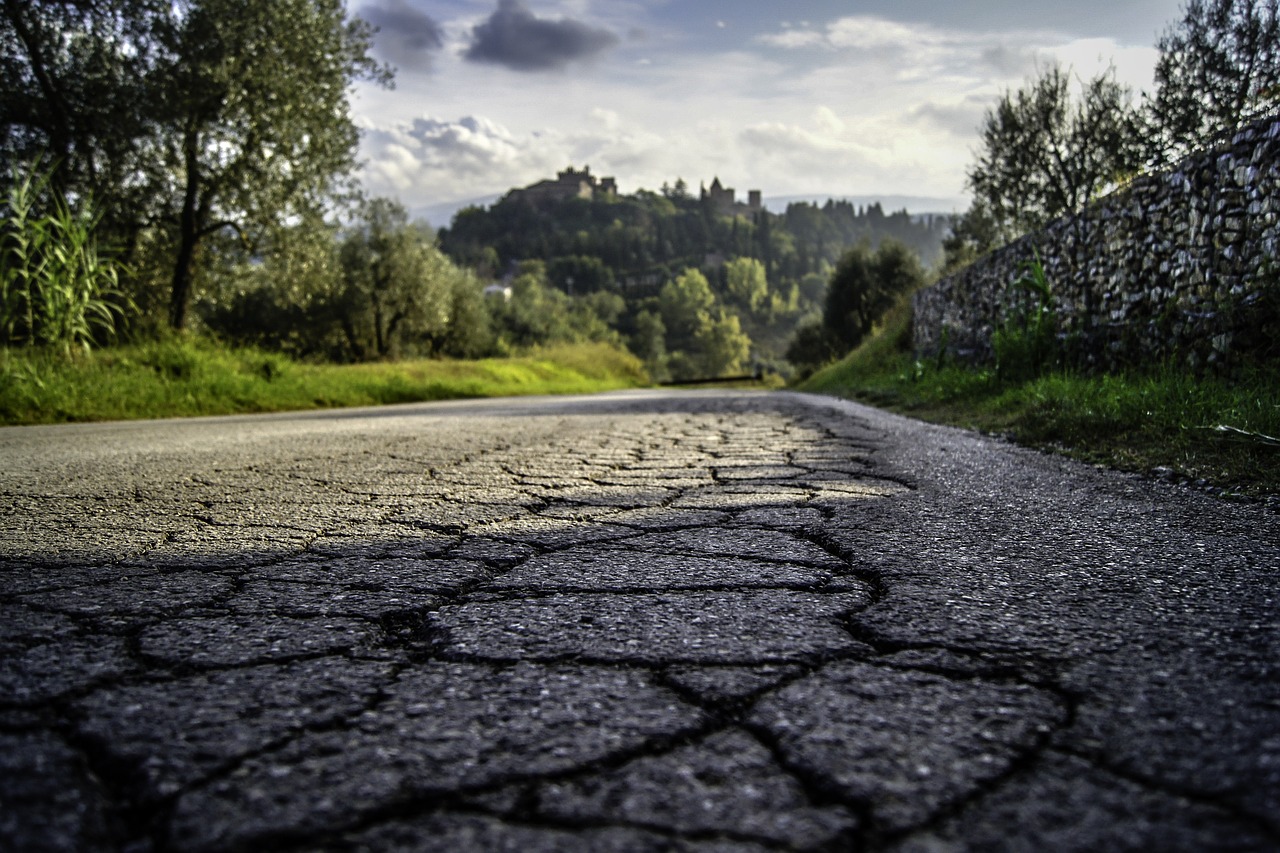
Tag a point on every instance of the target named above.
point(185, 378)
point(1164, 420)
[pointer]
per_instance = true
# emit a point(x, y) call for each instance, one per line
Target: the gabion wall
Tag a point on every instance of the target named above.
point(1181, 264)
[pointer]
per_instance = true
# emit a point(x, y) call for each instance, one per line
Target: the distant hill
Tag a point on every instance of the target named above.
point(916, 205)
point(640, 241)
point(440, 214)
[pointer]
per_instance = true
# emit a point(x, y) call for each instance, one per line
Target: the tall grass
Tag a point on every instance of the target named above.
point(56, 289)
point(186, 377)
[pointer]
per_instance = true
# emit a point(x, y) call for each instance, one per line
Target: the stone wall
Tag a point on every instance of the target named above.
point(1180, 264)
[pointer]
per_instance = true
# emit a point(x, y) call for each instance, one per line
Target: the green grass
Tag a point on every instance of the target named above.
point(191, 377)
point(1194, 428)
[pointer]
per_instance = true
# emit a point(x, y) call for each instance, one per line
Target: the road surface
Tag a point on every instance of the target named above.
point(703, 621)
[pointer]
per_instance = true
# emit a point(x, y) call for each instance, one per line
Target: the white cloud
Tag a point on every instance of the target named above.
point(860, 105)
point(920, 52)
point(430, 157)
point(431, 160)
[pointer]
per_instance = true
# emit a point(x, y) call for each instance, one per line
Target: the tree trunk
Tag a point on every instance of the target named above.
point(189, 227)
point(59, 130)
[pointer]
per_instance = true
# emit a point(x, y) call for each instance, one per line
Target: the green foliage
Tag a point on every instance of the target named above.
point(576, 274)
point(1026, 344)
point(649, 342)
point(78, 89)
point(395, 287)
point(1046, 154)
point(194, 118)
point(812, 346)
point(864, 286)
point(379, 289)
point(747, 285)
point(1210, 428)
point(975, 233)
point(536, 313)
point(685, 303)
point(185, 376)
point(703, 339)
point(1219, 67)
point(55, 287)
point(769, 270)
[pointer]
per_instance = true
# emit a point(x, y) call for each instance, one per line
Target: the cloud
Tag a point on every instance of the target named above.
point(859, 32)
point(513, 37)
point(962, 118)
point(406, 36)
point(432, 159)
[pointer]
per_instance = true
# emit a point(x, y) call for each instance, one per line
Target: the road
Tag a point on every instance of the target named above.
point(703, 621)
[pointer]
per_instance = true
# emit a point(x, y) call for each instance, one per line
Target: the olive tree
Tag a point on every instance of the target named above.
point(1219, 66)
point(189, 118)
point(1046, 153)
point(863, 287)
point(256, 125)
point(396, 286)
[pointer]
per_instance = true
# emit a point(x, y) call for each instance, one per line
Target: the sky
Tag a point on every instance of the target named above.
point(799, 98)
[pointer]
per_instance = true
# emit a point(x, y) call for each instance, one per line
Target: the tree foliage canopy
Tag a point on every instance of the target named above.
point(864, 286)
point(1218, 67)
point(193, 116)
point(1046, 153)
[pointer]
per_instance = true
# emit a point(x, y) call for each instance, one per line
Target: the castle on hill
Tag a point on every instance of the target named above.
point(724, 202)
point(574, 183)
point(568, 184)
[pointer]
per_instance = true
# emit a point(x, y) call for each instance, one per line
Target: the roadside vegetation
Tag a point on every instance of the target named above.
point(1047, 151)
point(182, 232)
point(1216, 431)
point(190, 377)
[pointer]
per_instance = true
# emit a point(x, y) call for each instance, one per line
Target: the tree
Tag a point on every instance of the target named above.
point(470, 330)
point(747, 285)
point(193, 117)
point(973, 234)
point(289, 298)
point(720, 347)
point(864, 286)
point(1046, 154)
point(256, 123)
point(703, 339)
point(683, 303)
point(1218, 68)
point(648, 342)
point(537, 313)
point(78, 87)
point(812, 346)
point(396, 285)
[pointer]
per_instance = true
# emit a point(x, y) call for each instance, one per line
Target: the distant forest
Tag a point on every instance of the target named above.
point(636, 245)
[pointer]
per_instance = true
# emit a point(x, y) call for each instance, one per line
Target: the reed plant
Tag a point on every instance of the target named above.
point(57, 288)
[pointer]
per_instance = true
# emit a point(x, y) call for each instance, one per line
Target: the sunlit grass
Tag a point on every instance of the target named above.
point(190, 377)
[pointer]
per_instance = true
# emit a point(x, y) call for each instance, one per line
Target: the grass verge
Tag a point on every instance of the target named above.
point(191, 377)
point(1214, 432)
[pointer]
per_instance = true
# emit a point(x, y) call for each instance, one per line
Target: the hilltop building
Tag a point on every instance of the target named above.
point(724, 200)
point(568, 184)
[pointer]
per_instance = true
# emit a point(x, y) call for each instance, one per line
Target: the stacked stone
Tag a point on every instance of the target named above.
point(1180, 264)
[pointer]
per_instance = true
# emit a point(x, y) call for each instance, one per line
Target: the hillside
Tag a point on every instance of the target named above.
point(633, 245)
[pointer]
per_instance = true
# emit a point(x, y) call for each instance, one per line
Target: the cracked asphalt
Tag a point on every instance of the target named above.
point(702, 621)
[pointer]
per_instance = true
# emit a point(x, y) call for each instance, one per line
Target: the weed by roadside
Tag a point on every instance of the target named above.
point(1216, 432)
